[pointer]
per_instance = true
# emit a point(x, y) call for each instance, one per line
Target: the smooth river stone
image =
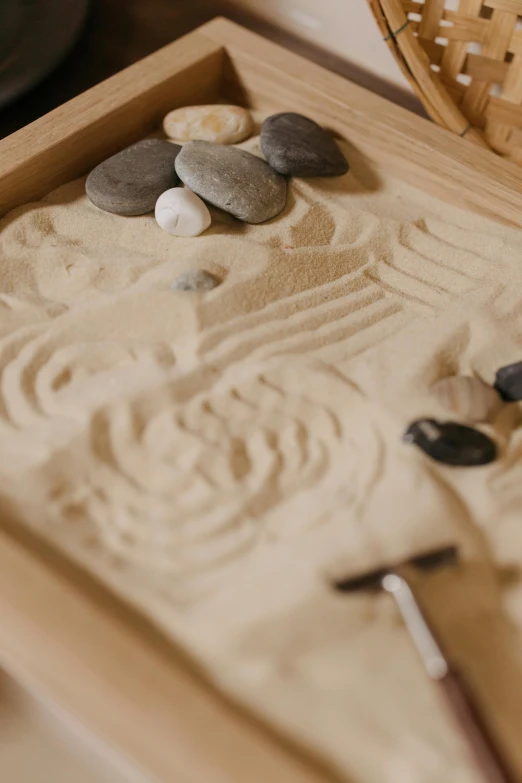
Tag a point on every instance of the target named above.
point(180, 212)
point(130, 182)
point(508, 382)
point(232, 179)
point(195, 280)
point(219, 124)
point(451, 443)
point(467, 397)
point(296, 146)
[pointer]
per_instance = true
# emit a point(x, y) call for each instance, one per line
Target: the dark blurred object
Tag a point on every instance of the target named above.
point(35, 35)
point(116, 34)
point(120, 32)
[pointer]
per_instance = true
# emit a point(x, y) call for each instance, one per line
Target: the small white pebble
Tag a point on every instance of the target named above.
point(181, 213)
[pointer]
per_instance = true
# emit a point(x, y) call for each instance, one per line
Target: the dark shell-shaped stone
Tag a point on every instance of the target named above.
point(130, 182)
point(451, 443)
point(508, 382)
point(297, 146)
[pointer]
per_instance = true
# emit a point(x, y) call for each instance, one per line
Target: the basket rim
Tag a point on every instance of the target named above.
point(430, 89)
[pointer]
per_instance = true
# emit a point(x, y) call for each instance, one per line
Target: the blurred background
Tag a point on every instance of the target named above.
point(50, 51)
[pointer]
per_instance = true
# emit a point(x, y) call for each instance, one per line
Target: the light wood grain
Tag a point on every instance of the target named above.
point(55, 630)
point(72, 644)
point(71, 139)
point(413, 148)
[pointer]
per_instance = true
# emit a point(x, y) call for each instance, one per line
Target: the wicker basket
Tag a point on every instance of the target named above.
point(464, 60)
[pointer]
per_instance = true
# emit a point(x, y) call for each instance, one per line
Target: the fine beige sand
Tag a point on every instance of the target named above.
point(216, 458)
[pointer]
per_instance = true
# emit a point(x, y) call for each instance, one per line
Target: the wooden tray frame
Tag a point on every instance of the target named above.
point(61, 633)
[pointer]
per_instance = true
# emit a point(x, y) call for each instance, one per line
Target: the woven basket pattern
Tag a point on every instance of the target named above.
point(464, 60)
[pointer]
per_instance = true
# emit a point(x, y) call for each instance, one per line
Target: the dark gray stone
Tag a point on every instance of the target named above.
point(130, 182)
point(298, 147)
point(232, 179)
point(451, 443)
point(508, 382)
point(195, 280)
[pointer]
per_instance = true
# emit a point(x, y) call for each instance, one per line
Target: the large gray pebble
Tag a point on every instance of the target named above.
point(296, 146)
point(130, 182)
point(232, 179)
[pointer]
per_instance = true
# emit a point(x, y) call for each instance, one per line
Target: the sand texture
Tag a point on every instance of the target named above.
point(215, 457)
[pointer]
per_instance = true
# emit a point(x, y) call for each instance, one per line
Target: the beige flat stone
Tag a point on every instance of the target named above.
point(216, 123)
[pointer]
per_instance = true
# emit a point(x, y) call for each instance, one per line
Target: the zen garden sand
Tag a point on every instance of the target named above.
point(215, 456)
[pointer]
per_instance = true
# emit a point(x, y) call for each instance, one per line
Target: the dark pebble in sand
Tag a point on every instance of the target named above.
point(297, 146)
point(451, 443)
point(508, 382)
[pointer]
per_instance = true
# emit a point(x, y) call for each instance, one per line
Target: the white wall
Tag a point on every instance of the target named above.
point(345, 27)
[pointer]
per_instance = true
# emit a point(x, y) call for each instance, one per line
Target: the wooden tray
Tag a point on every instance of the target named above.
point(57, 630)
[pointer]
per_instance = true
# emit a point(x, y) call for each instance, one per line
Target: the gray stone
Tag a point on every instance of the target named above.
point(451, 443)
point(130, 182)
point(195, 280)
point(232, 179)
point(508, 382)
point(296, 146)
